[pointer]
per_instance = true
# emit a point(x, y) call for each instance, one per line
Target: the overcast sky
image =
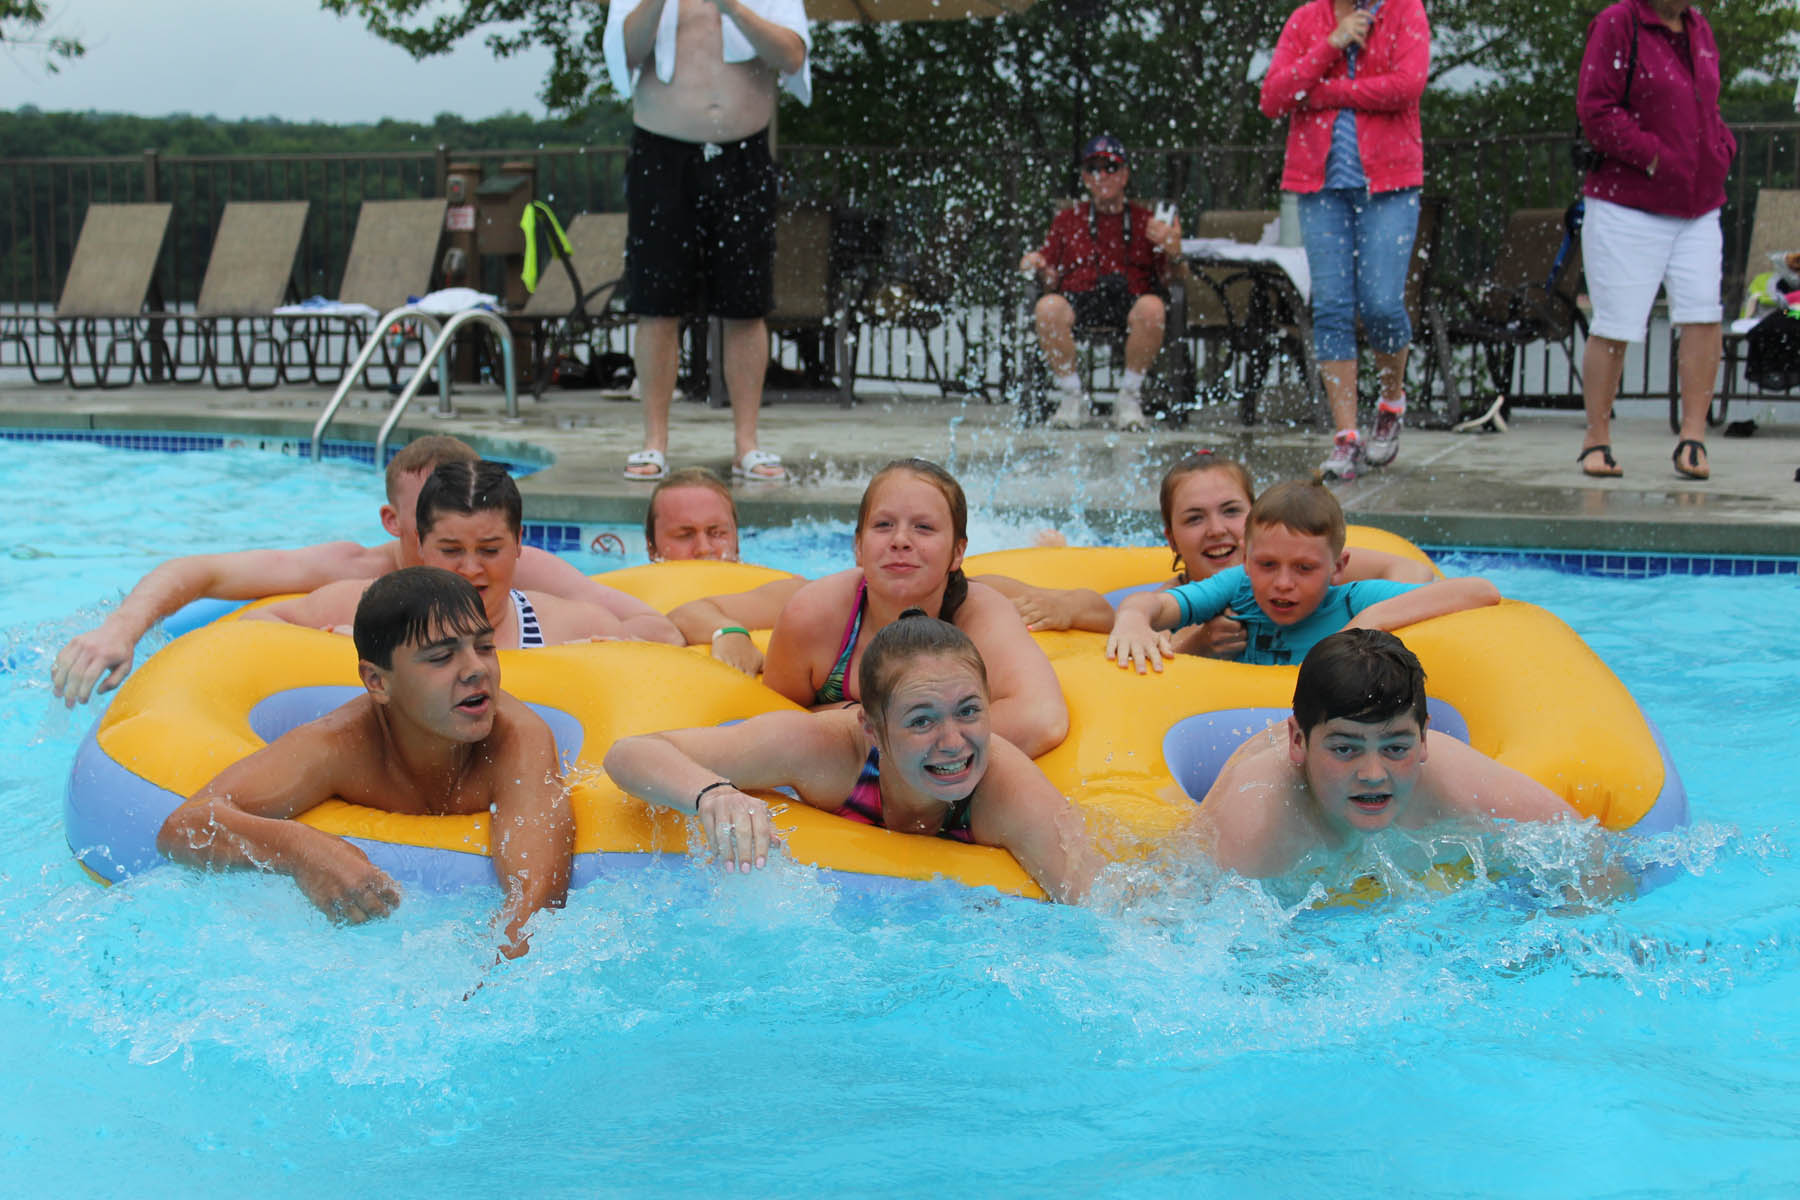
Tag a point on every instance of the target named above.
point(258, 58)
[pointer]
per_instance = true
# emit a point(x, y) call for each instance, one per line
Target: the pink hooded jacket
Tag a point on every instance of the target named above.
point(1309, 81)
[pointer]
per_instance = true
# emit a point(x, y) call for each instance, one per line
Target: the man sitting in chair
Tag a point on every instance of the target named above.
point(1104, 263)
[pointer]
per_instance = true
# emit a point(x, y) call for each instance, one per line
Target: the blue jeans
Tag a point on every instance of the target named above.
point(1358, 248)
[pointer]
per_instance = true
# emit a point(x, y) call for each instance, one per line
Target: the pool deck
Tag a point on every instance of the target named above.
point(1520, 488)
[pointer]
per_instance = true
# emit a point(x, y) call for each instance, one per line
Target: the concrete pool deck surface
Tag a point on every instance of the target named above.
point(1521, 488)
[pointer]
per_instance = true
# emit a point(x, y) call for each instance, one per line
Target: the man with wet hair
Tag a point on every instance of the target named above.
point(101, 658)
point(431, 735)
point(1352, 761)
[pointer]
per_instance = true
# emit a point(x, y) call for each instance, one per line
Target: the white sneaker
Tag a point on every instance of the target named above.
point(1384, 442)
point(1128, 414)
point(1072, 412)
point(1346, 454)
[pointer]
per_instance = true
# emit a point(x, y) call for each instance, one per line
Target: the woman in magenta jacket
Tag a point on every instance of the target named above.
point(1648, 99)
point(1348, 76)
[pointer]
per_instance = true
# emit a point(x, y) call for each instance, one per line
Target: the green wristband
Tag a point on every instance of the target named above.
point(722, 630)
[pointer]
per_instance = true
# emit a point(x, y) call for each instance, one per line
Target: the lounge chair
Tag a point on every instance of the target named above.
point(575, 296)
point(1528, 296)
point(250, 274)
point(108, 301)
point(393, 256)
point(916, 291)
point(1774, 230)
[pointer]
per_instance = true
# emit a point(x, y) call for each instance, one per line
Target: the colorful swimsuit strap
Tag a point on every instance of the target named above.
point(864, 803)
point(531, 634)
point(832, 690)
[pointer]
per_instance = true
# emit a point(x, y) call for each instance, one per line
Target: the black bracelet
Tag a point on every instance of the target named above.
point(702, 792)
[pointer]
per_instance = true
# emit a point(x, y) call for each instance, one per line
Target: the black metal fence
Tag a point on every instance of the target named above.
point(998, 199)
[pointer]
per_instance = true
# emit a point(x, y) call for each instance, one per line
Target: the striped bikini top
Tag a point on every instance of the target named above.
point(832, 690)
point(531, 636)
point(864, 803)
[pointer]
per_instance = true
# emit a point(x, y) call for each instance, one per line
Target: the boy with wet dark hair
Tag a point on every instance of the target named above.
point(1284, 594)
point(431, 735)
point(1355, 759)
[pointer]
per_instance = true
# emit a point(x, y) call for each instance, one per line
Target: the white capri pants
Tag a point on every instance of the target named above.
point(1628, 252)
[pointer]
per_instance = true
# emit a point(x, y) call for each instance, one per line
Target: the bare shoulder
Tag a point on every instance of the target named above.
point(1253, 818)
point(1458, 780)
point(335, 755)
point(518, 731)
point(833, 595)
point(985, 603)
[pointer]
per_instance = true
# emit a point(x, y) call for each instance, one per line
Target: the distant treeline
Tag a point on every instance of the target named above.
point(27, 132)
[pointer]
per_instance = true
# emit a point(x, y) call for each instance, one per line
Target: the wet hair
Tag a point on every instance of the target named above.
point(426, 454)
point(1363, 675)
point(956, 588)
point(412, 606)
point(912, 635)
point(687, 477)
point(467, 488)
point(1194, 464)
point(1303, 506)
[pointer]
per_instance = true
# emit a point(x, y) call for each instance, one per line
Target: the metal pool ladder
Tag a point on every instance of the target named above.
point(443, 333)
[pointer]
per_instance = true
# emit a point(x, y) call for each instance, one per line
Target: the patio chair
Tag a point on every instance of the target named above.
point(1241, 308)
point(1528, 296)
point(108, 302)
point(915, 292)
point(576, 295)
point(249, 275)
point(1168, 393)
point(1774, 230)
point(393, 256)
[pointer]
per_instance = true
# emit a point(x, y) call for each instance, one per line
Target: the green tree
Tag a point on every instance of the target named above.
point(22, 24)
point(1157, 72)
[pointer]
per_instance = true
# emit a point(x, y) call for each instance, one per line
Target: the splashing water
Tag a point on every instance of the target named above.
point(676, 1027)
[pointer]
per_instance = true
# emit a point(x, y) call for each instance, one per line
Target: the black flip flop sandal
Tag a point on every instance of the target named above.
point(1604, 449)
point(1692, 468)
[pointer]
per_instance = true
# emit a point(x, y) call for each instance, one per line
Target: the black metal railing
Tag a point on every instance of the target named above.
point(1001, 196)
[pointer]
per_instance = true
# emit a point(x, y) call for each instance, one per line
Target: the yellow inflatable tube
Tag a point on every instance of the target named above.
point(1521, 684)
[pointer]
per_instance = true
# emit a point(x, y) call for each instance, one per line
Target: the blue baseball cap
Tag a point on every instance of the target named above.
point(1104, 146)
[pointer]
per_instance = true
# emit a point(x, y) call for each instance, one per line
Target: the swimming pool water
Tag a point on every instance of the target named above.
point(681, 1032)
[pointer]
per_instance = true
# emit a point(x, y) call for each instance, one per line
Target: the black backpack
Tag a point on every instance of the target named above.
point(1772, 352)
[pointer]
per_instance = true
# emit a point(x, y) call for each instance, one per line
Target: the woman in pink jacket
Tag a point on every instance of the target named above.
point(1348, 75)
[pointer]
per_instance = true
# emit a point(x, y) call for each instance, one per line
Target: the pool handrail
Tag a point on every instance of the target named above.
point(435, 354)
point(355, 373)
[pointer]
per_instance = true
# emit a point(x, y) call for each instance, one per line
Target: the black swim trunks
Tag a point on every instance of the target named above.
point(1102, 308)
point(702, 227)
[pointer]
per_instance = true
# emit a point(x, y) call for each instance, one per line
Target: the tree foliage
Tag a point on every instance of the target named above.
point(22, 24)
point(1157, 72)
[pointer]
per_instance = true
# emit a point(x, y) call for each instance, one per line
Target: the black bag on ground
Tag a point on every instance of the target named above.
point(1772, 352)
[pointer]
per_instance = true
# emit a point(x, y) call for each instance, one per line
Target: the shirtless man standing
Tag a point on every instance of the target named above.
point(101, 658)
point(702, 78)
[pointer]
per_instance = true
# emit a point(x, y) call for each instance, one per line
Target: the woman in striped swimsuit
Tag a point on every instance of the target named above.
point(918, 756)
point(470, 522)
